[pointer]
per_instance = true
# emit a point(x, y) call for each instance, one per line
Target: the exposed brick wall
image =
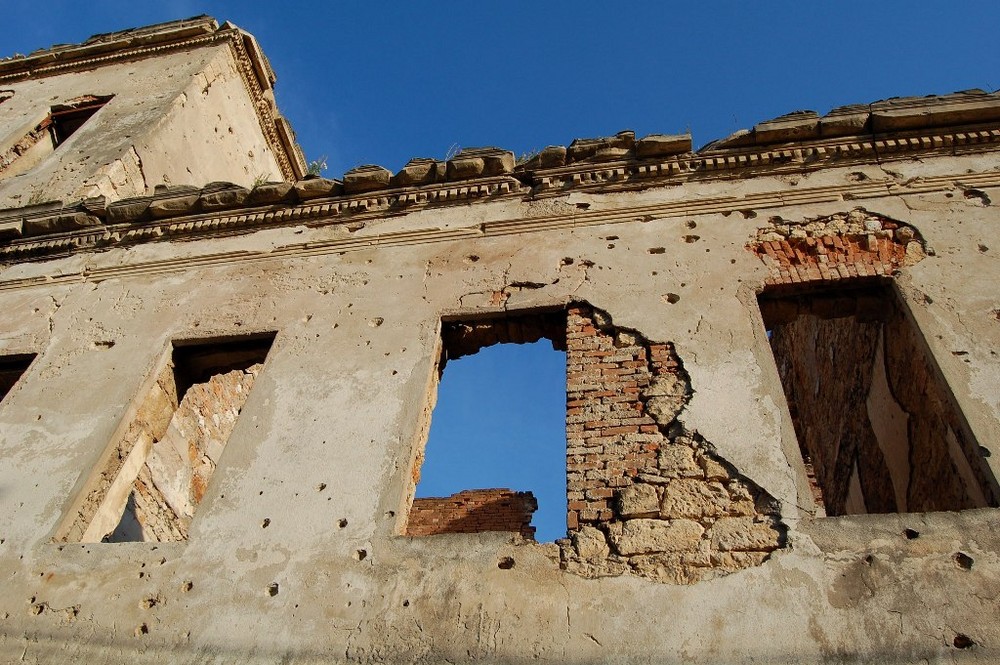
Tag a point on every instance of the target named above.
point(472, 511)
point(177, 445)
point(646, 496)
point(843, 246)
point(879, 428)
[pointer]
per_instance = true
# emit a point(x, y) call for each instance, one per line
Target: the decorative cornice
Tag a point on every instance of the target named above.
point(198, 32)
point(327, 212)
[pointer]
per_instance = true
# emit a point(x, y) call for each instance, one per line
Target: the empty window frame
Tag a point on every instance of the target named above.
point(878, 428)
point(11, 369)
point(159, 465)
point(62, 122)
point(483, 443)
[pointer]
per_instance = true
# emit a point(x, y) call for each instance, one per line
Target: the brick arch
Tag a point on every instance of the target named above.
point(848, 245)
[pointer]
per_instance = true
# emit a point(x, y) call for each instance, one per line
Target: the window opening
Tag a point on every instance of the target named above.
point(65, 119)
point(496, 448)
point(62, 122)
point(11, 369)
point(159, 466)
point(878, 429)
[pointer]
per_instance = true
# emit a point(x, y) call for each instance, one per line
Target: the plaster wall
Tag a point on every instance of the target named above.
point(164, 126)
point(323, 449)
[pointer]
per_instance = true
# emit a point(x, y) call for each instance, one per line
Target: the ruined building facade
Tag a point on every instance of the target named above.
point(218, 374)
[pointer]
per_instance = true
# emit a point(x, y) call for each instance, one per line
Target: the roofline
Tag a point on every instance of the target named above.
point(151, 41)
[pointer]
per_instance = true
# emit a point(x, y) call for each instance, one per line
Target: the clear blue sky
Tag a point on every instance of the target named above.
point(380, 82)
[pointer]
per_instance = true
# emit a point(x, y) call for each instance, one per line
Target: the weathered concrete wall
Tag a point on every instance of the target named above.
point(181, 118)
point(323, 450)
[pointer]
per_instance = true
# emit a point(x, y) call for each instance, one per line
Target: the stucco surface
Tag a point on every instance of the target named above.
point(328, 433)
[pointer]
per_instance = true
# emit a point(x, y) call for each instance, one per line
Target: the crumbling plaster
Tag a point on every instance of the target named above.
point(343, 391)
point(164, 113)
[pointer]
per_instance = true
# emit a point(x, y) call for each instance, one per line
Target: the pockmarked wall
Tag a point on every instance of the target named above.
point(695, 531)
point(189, 103)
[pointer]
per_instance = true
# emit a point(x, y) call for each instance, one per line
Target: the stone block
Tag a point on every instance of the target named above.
point(582, 149)
point(127, 210)
point(550, 157)
point(744, 533)
point(418, 171)
point(676, 460)
point(647, 536)
point(793, 126)
point(462, 168)
point(695, 498)
point(713, 470)
point(222, 195)
point(367, 178)
point(56, 223)
point(590, 544)
point(270, 192)
point(638, 500)
point(314, 188)
point(662, 145)
point(173, 206)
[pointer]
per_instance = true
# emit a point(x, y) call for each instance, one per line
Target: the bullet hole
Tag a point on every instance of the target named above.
point(927, 299)
point(472, 258)
point(732, 261)
point(983, 248)
point(390, 513)
point(141, 575)
point(963, 560)
point(342, 523)
point(869, 559)
point(748, 214)
point(141, 629)
point(611, 245)
point(583, 206)
point(959, 353)
point(566, 261)
point(260, 493)
point(978, 194)
point(186, 586)
point(406, 603)
point(611, 237)
point(361, 555)
point(505, 563)
point(963, 641)
point(321, 487)
point(654, 273)
point(857, 176)
point(266, 523)
point(586, 263)
point(692, 224)
point(376, 322)
point(692, 238)
point(911, 534)
point(149, 603)
point(656, 250)
point(672, 298)
point(984, 451)
point(272, 589)
point(37, 609)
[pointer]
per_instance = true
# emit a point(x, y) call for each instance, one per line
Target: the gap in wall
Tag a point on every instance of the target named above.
point(878, 429)
point(157, 469)
point(499, 423)
point(11, 369)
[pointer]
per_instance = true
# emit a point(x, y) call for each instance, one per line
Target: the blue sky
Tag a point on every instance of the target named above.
point(380, 82)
